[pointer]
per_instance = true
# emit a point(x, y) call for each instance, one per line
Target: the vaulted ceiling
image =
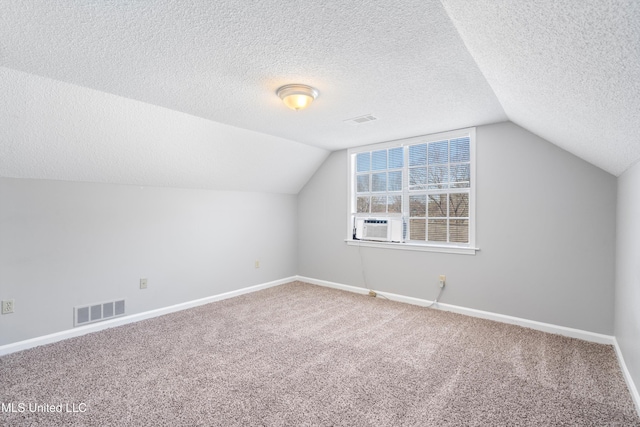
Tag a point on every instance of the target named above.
point(175, 93)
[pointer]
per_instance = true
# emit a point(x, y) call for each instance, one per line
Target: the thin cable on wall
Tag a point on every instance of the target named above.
point(435, 301)
point(364, 280)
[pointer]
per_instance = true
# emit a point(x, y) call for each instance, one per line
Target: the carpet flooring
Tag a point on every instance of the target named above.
point(303, 355)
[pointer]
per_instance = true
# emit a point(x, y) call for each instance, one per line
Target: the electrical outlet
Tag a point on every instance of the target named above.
point(143, 283)
point(257, 264)
point(7, 306)
point(443, 279)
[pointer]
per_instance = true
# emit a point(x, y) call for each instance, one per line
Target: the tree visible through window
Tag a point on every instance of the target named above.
point(427, 181)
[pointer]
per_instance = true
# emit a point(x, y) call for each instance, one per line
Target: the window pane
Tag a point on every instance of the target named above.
point(417, 178)
point(363, 204)
point(396, 158)
point(438, 152)
point(395, 181)
point(417, 229)
point(394, 204)
point(363, 183)
point(427, 183)
point(363, 162)
point(438, 176)
point(437, 205)
point(379, 204)
point(459, 149)
point(379, 182)
point(460, 175)
point(418, 205)
point(379, 160)
point(459, 205)
point(418, 155)
point(438, 230)
point(459, 230)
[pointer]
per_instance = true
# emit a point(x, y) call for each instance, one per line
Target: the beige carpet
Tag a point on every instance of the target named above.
point(302, 355)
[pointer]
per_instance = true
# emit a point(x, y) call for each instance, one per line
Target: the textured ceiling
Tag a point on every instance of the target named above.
point(55, 130)
point(567, 70)
point(564, 70)
point(223, 60)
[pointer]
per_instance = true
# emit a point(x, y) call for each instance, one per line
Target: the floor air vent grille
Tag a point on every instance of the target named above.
point(86, 314)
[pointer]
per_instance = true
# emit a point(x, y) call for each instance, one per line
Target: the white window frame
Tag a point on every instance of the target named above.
point(456, 248)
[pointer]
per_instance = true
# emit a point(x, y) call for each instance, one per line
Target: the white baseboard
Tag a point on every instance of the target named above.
point(540, 326)
point(627, 377)
point(545, 327)
point(94, 327)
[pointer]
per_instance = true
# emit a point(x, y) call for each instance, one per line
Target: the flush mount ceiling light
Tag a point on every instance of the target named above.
point(297, 97)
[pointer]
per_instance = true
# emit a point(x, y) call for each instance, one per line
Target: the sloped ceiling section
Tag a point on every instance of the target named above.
point(567, 70)
point(55, 130)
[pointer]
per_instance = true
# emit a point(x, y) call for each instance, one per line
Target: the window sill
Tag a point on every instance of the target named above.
point(461, 250)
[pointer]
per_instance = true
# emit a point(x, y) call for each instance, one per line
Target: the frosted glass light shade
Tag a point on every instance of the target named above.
point(296, 96)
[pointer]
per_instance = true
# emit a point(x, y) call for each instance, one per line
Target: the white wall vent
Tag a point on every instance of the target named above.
point(361, 119)
point(86, 314)
point(379, 229)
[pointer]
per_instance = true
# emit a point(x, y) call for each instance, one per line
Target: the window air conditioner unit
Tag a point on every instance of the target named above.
point(379, 229)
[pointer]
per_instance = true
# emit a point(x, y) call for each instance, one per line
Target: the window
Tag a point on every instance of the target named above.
point(426, 181)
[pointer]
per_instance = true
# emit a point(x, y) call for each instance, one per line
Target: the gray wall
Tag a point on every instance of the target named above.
point(64, 244)
point(627, 303)
point(545, 227)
